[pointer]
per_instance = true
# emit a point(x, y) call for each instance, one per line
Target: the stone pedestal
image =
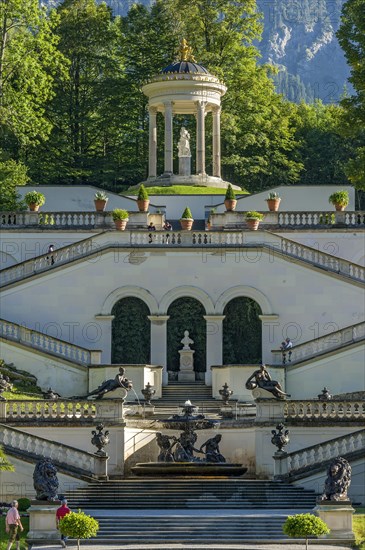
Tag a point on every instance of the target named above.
point(185, 166)
point(186, 373)
point(145, 410)
point(338, 517)
point(101, 466)
point(42, 523)
point(280, 464)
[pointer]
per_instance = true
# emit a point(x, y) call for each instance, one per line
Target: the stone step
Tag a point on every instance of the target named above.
point(192, 494)
point(162, 528)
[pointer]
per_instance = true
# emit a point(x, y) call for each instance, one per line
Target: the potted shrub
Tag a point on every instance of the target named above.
point(339, 199)
point(186, 219)
point(253, 219)
point(142, 199)
point(120, 218)
point(230, 198)
point(304, 526)
point(34, 200)
point(100, 200)
point(273, 202)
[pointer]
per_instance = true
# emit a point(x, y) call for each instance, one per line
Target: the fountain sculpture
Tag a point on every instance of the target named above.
point(178, 454)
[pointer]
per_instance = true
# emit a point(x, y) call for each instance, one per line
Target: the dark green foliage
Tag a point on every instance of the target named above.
point(230, 194)
point(12, 173)
point(186, 314)
point(322, 149)
point(23, 504)
point(131, 332)
point(351, 36)
point(187, 214)
point(242, 332)
point(142, 193)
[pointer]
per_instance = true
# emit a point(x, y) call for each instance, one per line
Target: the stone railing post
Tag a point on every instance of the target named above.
point(101, 467)
point(95, 357)
point(281, 468)
point(109, 410)
point(3, 411)
point(269, 410)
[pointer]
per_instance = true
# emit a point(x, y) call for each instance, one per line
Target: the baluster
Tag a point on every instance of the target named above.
point(320, 457)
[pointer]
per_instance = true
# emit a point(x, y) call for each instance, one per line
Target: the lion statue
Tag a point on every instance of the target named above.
point(338, 480)
point(45, 480)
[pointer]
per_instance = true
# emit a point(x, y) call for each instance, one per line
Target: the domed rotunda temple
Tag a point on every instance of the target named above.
point(184, 88)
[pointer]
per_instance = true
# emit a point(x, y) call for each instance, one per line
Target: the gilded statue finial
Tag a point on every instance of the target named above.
point(186, 52)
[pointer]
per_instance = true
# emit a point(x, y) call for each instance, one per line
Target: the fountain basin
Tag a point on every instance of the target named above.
point(189, 469)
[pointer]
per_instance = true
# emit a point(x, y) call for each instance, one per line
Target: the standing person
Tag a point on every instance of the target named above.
point(167, 227)
point(12, 524)
point(151, 227)
point(62, 511)
point(50, 252)
point(286, 346)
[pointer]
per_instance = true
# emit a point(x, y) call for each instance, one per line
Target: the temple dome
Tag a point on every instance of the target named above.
point(185, 67)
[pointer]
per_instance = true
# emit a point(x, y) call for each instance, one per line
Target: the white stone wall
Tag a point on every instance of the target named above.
point(64, 302)
point(63, 377)
point(340, 372)
point(80, 198)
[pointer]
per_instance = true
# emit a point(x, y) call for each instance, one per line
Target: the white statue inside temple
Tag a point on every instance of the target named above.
point(184, 143)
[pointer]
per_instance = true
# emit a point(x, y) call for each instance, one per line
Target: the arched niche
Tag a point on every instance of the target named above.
point(242, 331)
point(131, 332)
point(186, 313)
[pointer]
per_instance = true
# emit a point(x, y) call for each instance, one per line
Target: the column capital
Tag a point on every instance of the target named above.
point(104, 317)
point(270, 317)
point(216, 109)
point(152, 109)
point(214, 317)
point(158, 319)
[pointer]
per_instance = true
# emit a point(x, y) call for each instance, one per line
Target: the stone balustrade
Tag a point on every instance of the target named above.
point(328, 342)
point(48, 344)
point(270, 242)
point(62, 411)
point(306, 460)
point(226, 220)
point(38, 447)
point(297, 220)
point(310, 410)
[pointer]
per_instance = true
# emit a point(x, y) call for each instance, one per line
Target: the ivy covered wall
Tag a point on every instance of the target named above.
point(186, 314)
point(131, 332)
point(242, 332)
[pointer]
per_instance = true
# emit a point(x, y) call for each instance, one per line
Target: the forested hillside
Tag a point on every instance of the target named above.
point(299, 38)
point(72, 110)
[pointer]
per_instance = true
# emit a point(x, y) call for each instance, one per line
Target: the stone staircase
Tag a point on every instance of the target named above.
point(204, 511)
point(175, 394)
point(203, 493)
point(164, 529)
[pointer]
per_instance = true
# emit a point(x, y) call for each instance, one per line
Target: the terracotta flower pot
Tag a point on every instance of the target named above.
point(273, 204)
point(186, 224)
point(100, 205)
point(33, 207)
point(120, 224)
point(339, 207)
point(253, 224)
point(230, 204)
point(143, 205)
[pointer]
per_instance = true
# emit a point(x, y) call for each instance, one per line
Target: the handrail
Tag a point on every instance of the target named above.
point(328, 342)
point(48, 344)
point(33, 445)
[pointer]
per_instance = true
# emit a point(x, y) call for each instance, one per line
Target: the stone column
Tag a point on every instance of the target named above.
point(200, 138)
point(214, 344)
point(159, 343)
point(217, 142)
point(105, 324)
point(152, 161)
point(270, 336)
point(168, 139)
